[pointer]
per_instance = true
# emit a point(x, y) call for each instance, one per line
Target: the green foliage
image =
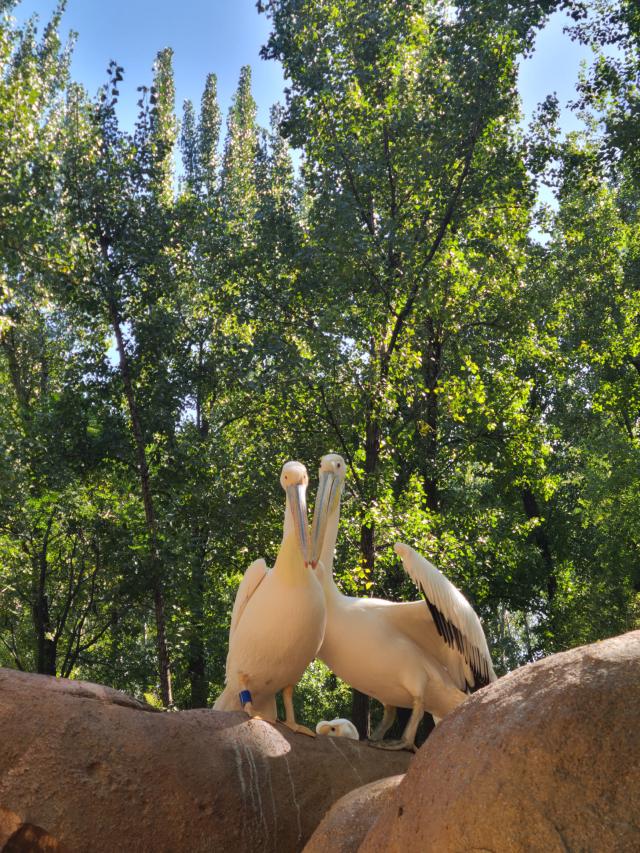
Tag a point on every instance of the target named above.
point(239, 193)
point(33, 76)
point(209, 135)
point(321, 696)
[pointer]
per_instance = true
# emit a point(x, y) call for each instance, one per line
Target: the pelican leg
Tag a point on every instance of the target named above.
point(408, 739)
point(247, 705)
point(290, 717)
point(388, 719)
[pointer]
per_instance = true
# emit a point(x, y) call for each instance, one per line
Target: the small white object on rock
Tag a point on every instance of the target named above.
point(337, 728)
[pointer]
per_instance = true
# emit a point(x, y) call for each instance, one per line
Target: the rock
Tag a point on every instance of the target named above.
point(16, 836)
point(343, 828)
point(545, 759)
point(86, 768)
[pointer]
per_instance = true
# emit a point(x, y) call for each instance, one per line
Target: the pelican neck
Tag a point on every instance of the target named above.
point(330, 587)
point(330, 537)
point(289, 562)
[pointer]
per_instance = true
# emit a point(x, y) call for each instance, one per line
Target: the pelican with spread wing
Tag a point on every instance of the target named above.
point(278, 618)
point(417, 655)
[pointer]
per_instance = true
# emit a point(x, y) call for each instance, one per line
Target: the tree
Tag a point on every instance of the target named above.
point(120, 195)
point(406, 117)
point(52, 571)
point(238, 187)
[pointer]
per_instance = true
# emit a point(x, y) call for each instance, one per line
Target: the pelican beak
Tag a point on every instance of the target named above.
point(328, 494)
point(298, 503)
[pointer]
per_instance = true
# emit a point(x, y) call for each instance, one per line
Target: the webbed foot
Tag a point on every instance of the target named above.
point(252, 714)
point(290, 717)
point(255, 715)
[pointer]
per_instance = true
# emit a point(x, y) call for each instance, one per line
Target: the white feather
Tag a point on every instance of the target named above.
point(251, 580)
point(337, 728)
point(453, 606)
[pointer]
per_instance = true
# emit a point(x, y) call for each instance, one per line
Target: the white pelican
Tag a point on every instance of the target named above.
point(406, 655)
point(337, 728)
point(278, 618)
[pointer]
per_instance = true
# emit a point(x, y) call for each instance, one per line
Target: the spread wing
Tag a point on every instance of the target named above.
point(252, 579)
point(414, 620)
point(454, 618)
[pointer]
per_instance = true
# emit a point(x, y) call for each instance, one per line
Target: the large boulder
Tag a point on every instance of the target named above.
point(545, 759)
point(344, 827)
point(86, 768)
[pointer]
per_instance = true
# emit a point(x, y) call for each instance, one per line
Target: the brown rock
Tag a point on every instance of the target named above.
point(343, 828)
point(16, 836)
point(546, 759)
point(86, 768)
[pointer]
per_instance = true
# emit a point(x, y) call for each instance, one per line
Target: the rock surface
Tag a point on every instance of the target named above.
point(86, 768)
point(546, 759)
point(343, 828)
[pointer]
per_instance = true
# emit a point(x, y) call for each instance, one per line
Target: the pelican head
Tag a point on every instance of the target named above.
point(330, 484)
point(338, 728)
point(294, 481)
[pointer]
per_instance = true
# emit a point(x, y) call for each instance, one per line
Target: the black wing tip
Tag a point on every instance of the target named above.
point(447, 630)
point(481, 679)
point(454, 639)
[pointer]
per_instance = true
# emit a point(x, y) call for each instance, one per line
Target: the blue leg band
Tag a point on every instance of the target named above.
point(245, 696)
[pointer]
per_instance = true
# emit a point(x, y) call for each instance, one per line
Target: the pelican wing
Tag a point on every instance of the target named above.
point(252, 579)
point(455, 619)
point(415, 621)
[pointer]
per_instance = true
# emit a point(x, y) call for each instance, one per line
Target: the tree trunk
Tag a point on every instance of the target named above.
point(196, 660)
point(360, 703)
point(199, 684)
point(196, 652)
point(539, 535)
point(431, 366)
point(147, 499)
point(46, 646)
point(360, 713)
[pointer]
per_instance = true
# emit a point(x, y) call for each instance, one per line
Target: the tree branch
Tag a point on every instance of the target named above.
point(345, 448)
point(11, 647)
point(405, 312)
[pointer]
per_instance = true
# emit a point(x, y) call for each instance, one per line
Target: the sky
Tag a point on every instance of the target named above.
point(207, 36)
point(553, 67)
point(223, 35)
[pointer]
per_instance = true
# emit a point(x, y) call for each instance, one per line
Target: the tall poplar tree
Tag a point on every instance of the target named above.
point(239, 193)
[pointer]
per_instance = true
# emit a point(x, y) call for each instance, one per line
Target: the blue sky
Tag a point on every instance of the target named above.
point(223, 35)
point(554, 67)
point(206, 35)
